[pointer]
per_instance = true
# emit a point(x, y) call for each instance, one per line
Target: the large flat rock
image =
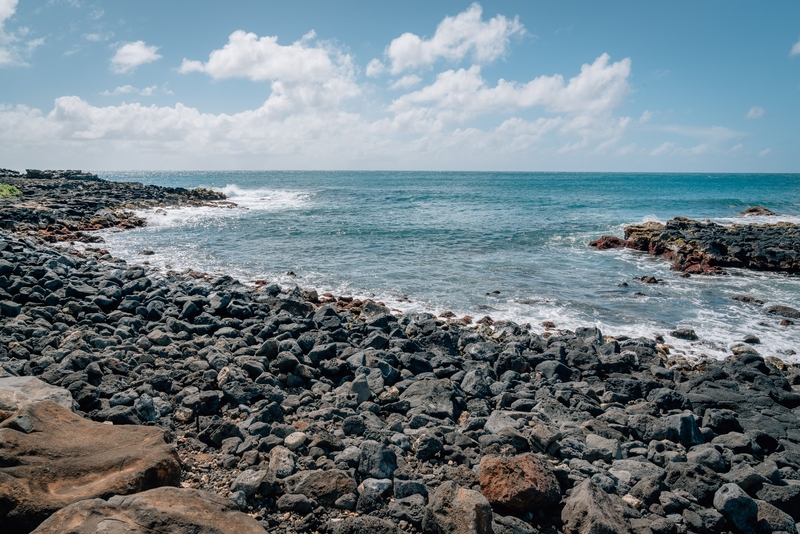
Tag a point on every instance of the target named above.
point(16, 392)
point(160, 510)
point(51, 457)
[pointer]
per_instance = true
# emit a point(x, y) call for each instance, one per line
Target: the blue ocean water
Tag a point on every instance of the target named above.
point(447, 241)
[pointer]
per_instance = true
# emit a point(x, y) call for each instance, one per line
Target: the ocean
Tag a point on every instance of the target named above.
point(507, 245)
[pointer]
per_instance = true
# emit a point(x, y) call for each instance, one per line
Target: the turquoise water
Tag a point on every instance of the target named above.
point(446, 241)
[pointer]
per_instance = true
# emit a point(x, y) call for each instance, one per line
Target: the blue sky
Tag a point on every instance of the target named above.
point(548, 85)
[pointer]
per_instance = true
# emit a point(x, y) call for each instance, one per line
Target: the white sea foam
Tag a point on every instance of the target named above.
point(266, 199)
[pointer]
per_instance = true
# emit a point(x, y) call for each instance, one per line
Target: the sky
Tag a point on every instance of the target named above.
point(630, 86)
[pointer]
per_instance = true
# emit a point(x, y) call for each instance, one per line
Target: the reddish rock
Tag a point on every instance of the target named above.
point(518, 482)
point(52, 458)
point(609, 241)
point(173, 510)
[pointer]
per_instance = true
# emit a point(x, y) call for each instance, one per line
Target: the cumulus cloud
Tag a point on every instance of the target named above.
point(258, 59)
point(587, 100)
point(375, 68)
point(14, 48)
point(765, 152)
point(795, 51)
point(129, 56)
point(756, 112)
point(304, 74)
point(455, 38)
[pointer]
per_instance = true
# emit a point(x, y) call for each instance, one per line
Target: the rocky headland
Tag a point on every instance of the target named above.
point(138, 401)
point(708, 248)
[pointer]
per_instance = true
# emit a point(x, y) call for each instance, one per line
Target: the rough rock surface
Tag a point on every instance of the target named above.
point(172, 510)
point(318, 413)
point(17, 392)
point(50, 458)
point(707, 248)
point(519, 482)
point(590, 510)
point(456, 510)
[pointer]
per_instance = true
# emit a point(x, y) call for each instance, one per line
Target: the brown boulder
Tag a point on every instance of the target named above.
point(456, 510)
point(50, 458)
point(322, 486)
point(518, 482)
point(172, 510)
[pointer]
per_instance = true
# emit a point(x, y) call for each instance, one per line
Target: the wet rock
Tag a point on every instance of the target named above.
point(180, 511)
point(518, 482)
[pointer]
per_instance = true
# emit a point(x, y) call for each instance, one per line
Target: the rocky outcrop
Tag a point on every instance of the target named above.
point(173, 510)
point(68, 205)
point(707, 248)
point(51, 457)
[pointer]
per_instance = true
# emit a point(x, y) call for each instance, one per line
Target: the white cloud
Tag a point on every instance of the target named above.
point(406, 82)
point(460, 95)
point(795, 49)
point(375, 68)
point(303, 74)
point(765, 152)
point(13, 48)
point(122, 90)
point(756, 112)
point(129, 89)
point(129, 56)
point(664, 148)
point(97, 37)
point(455, 37)
point(258, 59)
point(646, 116)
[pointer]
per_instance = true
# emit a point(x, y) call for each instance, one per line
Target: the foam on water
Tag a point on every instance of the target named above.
point(266, 199)
point(437, 242)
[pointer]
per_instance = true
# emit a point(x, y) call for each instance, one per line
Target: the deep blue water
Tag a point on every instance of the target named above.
point(445, 240)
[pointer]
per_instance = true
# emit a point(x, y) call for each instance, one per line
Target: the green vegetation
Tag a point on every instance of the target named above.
point(7, 191)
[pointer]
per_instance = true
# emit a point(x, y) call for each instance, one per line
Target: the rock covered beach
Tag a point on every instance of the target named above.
point(208, 405)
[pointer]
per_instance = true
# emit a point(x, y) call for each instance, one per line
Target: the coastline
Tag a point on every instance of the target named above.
point(269, 385)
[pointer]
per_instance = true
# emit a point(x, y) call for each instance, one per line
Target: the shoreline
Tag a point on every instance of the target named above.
point(319, 418)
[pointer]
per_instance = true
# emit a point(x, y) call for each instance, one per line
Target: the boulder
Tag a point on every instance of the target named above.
point(590, 510)
point(518, 482)
point(737, 506)
point(52, 458)
point(17, 392)
point(173, 510)
point(322, 486)
point(771, 519)
point(456, 510)
point(430, 397)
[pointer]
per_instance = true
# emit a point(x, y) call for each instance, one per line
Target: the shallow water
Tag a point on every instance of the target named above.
point(446, 241)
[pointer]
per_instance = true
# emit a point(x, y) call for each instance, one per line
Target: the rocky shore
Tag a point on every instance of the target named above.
point(708, 248)
point(143, 402)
